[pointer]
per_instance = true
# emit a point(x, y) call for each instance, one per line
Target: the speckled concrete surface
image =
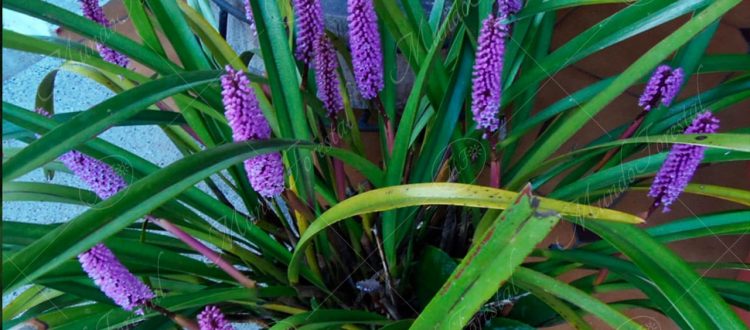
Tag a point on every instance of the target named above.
point(75, 93)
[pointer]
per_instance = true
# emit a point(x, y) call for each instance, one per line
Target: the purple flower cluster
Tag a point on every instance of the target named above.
point(326, 75)
point(508, 7)
point(488, 70)
point(681, 163)
point(367, 52)
point(94, 12)
point(265, 172)
point(114, 279)
point(661, 88)
point(211, 318)
point(310, 28)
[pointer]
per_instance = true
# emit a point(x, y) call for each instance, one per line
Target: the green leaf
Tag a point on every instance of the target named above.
point(175, 26)
point(329, 317)
point(697, 304)
point(46, 192)
point(31, 297)
point(542, 6)
point(501, 323)
point(527, 278)
point(722, 141)
point(488, 264)
point(220, 49)
point(143, 118)
point(434, 267)
point(408, 41)
point(563, 310)
point(94, 121)
point(739, 196)
point(728, 223)
point(45, 97)
point(142, 23)
point(440, 133)
point(638, 168)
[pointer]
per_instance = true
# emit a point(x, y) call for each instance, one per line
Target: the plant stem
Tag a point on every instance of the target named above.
point(389, 133)
point(494, 162)
point(628, 133)
point(180, 320)
point(338, 165)
point(205, 251)
point(387, 275)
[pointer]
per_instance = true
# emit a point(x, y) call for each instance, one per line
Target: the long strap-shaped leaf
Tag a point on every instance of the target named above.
point(626, 173)
point(725, 141)
point(739, 196)
point(488, 264)
point(329, 317)
point(148, 117)
point(699, 306)
point(100, 117)
point(530, 279)
point(437, 194)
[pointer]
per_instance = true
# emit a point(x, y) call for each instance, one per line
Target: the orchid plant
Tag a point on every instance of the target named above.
point(443, 228)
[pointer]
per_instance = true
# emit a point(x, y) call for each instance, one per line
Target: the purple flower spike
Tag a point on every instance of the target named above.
point(99, 176)
point(681, 163)
point(114, 279)
point(367, 52)
point(326, 75)
point(94, 12)
point(242, 109)
point(508, 7)
point(488, 69)
point(211, 318)
point(265, 172)
point(310, 28)
point(662, 87)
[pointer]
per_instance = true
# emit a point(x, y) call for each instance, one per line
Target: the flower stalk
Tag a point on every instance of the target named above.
point(204, 250)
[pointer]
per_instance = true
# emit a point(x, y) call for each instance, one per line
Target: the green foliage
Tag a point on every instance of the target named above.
point(433, 246)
